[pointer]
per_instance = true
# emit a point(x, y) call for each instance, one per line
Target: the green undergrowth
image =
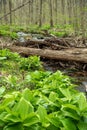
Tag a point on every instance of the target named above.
point(57, 30)
point(34, 99)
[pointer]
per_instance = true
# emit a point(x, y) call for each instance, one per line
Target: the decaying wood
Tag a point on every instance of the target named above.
point(53, 44)
point(73, 54)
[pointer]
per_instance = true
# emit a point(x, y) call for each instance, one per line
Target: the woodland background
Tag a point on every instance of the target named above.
point(45, 12)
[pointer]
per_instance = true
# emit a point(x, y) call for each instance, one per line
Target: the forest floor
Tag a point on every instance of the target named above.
point(40, 83)
point(38, 41)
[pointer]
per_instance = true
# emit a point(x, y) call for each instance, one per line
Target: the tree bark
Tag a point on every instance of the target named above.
point(74, 54)
point(10, 8)
point(51, 13)
point(40, 15)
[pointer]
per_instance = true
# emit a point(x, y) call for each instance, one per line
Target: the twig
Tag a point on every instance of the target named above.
point(13, 10)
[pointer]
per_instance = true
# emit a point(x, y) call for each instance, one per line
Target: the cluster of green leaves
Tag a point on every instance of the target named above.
point(6, 31)
point(13, 35)
point(52, 105)
point(14, 67)
point(30, 63)
point(62, 30)
point(58, 30)
point(46, 100)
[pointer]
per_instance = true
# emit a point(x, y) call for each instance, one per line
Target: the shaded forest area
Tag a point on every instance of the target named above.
point(45, 12)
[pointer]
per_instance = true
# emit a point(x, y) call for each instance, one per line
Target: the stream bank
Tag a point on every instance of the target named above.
point(76, 70)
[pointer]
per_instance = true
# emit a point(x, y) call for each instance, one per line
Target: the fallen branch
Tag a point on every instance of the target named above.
point(13, 10)
point(40, 44)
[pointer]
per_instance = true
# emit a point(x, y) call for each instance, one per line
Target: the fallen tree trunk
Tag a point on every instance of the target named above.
point(73, 54)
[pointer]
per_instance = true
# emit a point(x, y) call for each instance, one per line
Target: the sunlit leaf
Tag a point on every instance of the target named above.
point(31, 120)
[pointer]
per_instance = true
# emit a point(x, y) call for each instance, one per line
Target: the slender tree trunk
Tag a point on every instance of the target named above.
point(40, 17)
point(32, 12)
point(29, 20)
point(51, 13)
point(56, 7)
point(69, 3)
point(10, 8)
point(4, 4)
point(82, 8)
point(75, 17)
point(63, 11)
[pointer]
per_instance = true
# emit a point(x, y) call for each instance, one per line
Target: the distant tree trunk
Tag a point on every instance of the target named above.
point(51, 13)
point(32, 12)
point(29, 19)
point(69, 3)
point(36, 11)
point(4, 4)
point(10, 8)
point(40, 17)
point(82, 8)
point(56, 7)
point(0, 5)
point(63, 11)
point(1, 10)
point(75, 16)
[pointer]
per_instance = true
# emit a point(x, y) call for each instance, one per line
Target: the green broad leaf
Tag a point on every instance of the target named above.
point(66, 92)
point(3, 58)
point(82, 102)
point(52, 127)
point(2, 123)
point(70, 106)
point(54, 119)
point(17, 126)
point(35, 127)
point(2, 115)
point(11, 118)
point(53, 96)
point(13, 95)
point(2, 90)
point(27, 94)
point(5, 103)
point(70, 113)
point(42, 114)
point(23, 108)
point(68, 124)
point(82, 125)
point(31, 119)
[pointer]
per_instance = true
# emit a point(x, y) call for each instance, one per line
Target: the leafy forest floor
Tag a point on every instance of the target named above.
point(34, 93)
point(56, 38)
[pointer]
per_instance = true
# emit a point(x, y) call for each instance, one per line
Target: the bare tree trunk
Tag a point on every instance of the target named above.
point(32, 12)
point(40, 17)
point(75, 16)
point(1, 10)
point(82, 8)
point(51, 13)
point(10, 8)
point(56, 7)
point(63, 11)
point(29, 13)
point(4, 4)
point(69, 3)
